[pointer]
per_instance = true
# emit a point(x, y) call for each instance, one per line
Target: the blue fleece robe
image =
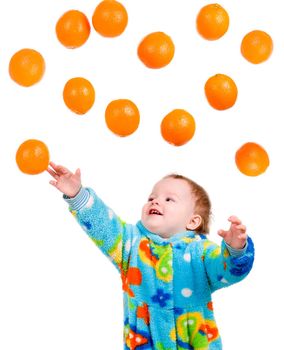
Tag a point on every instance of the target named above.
point(167, 283)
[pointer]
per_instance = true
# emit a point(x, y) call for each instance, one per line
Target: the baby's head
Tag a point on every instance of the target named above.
point(175, 205)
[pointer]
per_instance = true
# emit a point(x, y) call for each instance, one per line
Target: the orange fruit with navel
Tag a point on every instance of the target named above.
point(212, 22)
point(178, 127)
point(252, 159)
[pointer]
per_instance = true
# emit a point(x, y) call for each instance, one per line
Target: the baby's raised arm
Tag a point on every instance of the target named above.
point(64, 180)
point(234, 260)
point(101, 224)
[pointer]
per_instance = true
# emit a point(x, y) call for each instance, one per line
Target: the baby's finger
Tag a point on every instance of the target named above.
point(242, 228)
point(59, 168)
point(222, 233)
point(53, 183)
point(78, 173)
point(52, 173)
point(53, 165)
point(234, 220)
point(242, 237)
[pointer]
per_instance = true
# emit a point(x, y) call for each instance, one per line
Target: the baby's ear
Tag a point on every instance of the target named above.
point(194, 222)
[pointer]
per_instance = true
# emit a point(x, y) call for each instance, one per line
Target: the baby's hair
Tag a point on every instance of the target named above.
point(202, 204)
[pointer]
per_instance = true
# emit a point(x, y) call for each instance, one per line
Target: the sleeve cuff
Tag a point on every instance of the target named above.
point(235, 253)
point(79, 201)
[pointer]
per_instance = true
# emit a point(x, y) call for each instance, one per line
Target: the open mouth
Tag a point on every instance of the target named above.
point(154, 212)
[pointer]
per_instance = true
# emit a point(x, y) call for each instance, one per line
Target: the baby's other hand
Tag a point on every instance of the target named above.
point(64, 180)
point(236, 236)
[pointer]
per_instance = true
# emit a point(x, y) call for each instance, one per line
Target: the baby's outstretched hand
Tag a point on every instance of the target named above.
point(236, 236)
point(64, 180)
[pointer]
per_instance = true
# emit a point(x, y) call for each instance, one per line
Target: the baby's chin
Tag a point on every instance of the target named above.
point(165, 235)
point(156, 231)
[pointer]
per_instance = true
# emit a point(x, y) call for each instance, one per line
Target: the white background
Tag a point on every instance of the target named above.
point(57, 291)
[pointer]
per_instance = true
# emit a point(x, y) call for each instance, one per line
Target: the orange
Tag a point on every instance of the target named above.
point(178, 127)
point(110, 18)
point(27, 67)
point(212, 22)
point(73, 29)
point(79, 95)
point(32, 157)
point(252, 159)
point(256, 46)
point(156, 50)
point(221, 91)
point(122, 117)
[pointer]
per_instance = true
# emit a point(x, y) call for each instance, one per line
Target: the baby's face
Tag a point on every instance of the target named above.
point(170, 208)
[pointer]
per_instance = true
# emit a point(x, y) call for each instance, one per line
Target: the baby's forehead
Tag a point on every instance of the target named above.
point(171, 185)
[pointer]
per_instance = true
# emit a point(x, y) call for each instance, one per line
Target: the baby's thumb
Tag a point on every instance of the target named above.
point(222, 233)
point(53, 183)
point(78, 174)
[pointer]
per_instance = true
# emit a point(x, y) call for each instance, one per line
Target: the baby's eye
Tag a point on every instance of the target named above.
point(169, 199)
point(150, 199)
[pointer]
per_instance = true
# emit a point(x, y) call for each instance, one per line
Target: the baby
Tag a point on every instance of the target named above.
point(168, 267)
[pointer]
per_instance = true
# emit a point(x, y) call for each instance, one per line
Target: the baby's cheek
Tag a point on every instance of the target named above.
point(144, 210)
